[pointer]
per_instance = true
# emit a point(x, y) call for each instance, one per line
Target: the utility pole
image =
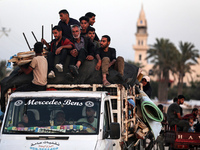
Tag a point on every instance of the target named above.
point(4, 31)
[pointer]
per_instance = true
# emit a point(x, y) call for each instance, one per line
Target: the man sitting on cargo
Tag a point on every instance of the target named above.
point(90, 119)
point(174, 117)
point(91, 35)
point(59, 46)
point(106, 57)
point(84, 49)
point(39, 68)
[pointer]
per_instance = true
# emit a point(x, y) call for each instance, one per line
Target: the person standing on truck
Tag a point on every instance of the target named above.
point(106, 57)
point(39, 67)
point(66, 22)
point(174, 117)
point(146, 85)
point(59, 46)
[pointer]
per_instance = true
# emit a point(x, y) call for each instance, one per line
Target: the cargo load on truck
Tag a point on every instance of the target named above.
point(87, 75)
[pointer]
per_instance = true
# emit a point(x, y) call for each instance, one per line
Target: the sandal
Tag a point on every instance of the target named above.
point(106, 83)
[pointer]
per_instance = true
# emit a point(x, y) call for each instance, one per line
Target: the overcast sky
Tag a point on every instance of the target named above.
point(177, 20)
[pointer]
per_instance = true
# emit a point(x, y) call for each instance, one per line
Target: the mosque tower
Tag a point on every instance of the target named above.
point(141, 46)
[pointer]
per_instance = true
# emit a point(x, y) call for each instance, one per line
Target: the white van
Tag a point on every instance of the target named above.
point(87, 124)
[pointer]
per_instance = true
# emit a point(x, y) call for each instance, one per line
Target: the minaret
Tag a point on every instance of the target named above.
point(141, 46)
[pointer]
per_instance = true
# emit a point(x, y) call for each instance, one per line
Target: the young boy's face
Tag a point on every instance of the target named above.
point(191, 120)
point(91, 35)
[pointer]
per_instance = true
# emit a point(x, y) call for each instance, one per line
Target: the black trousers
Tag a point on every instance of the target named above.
point(31, 87)
point(51, 58)
point(82, 54)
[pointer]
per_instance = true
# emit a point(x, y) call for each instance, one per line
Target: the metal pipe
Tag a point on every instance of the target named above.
point(51, 32)
point(34, 36)
point(27, 42)
point(42, 32)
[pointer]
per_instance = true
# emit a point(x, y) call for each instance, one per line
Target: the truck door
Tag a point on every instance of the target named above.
point(109, 144)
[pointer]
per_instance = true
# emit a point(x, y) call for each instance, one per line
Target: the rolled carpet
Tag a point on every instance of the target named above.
point(151, 114)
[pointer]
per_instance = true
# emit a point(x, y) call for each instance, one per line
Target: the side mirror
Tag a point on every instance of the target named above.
point(114, 130)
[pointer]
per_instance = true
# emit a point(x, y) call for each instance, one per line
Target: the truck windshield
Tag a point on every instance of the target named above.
point(52, 116)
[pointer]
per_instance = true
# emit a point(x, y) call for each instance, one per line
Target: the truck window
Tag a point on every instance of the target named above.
point(52, 115)
point(107, 116)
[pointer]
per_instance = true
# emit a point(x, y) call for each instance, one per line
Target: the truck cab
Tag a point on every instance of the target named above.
point(58, 120)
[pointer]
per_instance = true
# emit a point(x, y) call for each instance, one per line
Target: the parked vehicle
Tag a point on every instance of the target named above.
point(181, 140)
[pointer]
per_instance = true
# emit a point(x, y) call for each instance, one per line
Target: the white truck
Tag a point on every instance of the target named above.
point(112, 126)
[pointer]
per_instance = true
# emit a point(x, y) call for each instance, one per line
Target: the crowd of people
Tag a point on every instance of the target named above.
point(77, 39)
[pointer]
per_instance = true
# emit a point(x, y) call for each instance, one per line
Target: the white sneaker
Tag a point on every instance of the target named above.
point(59, 67)
point(51, 74)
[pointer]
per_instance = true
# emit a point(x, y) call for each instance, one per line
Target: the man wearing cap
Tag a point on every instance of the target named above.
point(90, 119)
point(66, 22)
point(146, 85)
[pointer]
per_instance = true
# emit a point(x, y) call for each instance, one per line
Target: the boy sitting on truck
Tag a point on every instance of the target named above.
point(106, 57)
point(191, 122)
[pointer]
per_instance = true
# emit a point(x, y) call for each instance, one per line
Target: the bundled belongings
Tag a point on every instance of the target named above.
point(22, 58)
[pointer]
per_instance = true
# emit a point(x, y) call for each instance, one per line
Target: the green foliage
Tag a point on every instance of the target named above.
point(134, 63)
point(190, 92)
point(154, 86)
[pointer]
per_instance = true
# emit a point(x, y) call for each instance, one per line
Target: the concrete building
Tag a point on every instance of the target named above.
point(141, 47)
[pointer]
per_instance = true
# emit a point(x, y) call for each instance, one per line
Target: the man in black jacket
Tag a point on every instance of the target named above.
point(84, 49)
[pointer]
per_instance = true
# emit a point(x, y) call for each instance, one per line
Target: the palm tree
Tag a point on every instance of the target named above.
point(135, 63)
point(162, 53)
point(187, 57)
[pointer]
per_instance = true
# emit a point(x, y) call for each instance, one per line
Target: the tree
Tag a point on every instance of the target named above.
point(163, 53)
point(185, 59)
point(135, 63)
